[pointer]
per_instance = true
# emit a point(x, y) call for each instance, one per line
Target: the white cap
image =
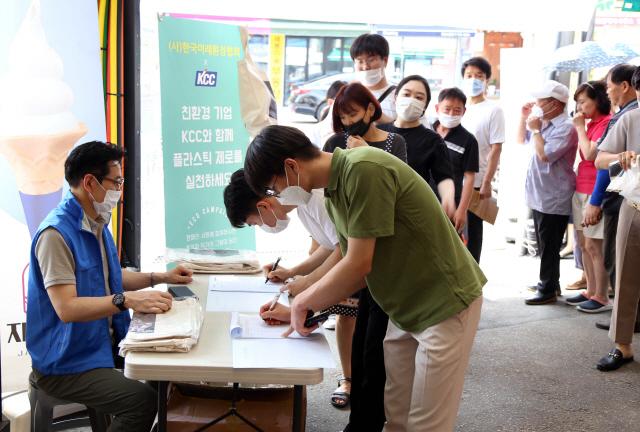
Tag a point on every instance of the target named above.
point(552, 89)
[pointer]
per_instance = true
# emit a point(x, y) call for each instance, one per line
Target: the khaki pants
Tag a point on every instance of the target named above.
point(426, 371)
point(625, 306)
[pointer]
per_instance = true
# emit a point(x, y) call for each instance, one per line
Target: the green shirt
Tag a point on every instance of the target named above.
point(421, 272)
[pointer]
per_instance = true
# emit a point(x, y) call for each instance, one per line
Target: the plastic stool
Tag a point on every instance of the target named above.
point(42, 412)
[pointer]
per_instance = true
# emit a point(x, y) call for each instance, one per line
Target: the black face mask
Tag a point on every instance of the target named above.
point(358, 128)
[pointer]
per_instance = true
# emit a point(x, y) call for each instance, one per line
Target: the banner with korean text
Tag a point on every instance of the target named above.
point(203, 135)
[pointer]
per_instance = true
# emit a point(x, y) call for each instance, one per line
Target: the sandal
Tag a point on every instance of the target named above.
point(343, 396)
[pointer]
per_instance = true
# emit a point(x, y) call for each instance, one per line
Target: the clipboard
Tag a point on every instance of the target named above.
point(485, 209)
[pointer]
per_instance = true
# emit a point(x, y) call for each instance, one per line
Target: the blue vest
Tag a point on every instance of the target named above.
point(57, 348)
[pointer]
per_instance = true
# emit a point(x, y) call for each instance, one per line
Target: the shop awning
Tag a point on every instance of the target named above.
point(317, 28)
point(421, 31)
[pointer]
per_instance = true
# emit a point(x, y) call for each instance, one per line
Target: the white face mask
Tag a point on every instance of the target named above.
point(294, 195)
point(110, 200)
point(536, 111)
point(449, 121)
point(409, 109)
point(281, 225)
point(369, 77)
point(472, 87)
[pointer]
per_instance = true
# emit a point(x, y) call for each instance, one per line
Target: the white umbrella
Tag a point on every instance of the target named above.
point(589, 55)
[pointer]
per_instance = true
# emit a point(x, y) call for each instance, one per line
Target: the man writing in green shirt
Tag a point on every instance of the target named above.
point(393, 233)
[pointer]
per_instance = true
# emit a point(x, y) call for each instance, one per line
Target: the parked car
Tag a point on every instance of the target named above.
point(310, 98)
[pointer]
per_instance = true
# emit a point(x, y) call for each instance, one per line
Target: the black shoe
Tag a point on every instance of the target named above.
point(534, 288)
point(606, 324)
point(539, 298)
point(613, 361)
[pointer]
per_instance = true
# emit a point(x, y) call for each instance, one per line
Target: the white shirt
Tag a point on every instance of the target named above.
point(316, 220)
point(486, 122)
point(322, 129)
point(388, 105)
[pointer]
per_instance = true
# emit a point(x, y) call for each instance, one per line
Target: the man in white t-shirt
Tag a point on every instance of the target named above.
point(370, 54)
point(243, 208)
point(485, 120)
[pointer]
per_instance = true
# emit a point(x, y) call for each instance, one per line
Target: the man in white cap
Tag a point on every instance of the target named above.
point(551, 181)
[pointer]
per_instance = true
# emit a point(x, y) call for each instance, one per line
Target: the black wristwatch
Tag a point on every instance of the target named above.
point(118, 300)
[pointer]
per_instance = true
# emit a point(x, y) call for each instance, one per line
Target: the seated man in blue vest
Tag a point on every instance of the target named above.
point(79, 298)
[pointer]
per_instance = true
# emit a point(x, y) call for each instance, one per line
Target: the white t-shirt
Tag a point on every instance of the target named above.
point(486, 122)
point(388, 105)
point(322, 129)
point(316, 220)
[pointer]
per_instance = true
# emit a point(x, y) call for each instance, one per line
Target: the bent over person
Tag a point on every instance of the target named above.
point(77, 308)
point(394, 234)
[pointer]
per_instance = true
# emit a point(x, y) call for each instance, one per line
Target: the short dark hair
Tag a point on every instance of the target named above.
point(267, 152)
point(370, 44)
point(453, 93)
point(636, 79)
point(333, 90)
point(350, 96)
point(415, 78)
point(239, 200)
point(479, 62)
point(91, 158)
point(597, 91)
point(621, 73)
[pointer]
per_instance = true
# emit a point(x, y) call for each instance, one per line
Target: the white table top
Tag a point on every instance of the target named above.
point(210, 359)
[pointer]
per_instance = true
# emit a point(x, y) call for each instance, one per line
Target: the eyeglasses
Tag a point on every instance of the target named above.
point(371, 61)
point(272, 190)
point(118, 182)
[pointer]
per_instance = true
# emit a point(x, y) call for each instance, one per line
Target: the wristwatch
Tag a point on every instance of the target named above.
point(535, 131)
point(118, 301)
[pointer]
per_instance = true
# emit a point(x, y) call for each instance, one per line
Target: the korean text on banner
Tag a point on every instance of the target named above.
point(276, 71)
point(203, 137)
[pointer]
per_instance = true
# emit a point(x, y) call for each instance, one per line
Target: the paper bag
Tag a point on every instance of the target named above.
point(485, 209)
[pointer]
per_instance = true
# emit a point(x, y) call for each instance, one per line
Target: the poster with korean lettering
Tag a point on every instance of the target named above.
point(203, 136)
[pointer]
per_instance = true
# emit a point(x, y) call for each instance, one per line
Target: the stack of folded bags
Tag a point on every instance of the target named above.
point(175, 330)
point(215, 260)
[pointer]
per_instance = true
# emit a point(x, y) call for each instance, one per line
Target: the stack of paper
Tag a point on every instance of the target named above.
point(175, 330)
point(215, 260)
point(255, 344)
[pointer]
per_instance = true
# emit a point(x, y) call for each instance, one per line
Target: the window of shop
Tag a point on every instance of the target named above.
point(309, 58)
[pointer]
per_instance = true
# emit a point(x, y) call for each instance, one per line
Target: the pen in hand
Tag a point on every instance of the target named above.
point(275, 265)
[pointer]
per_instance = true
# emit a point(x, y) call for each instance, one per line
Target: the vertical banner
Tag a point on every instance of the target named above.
point(276, 68)
point(203, 136)
point(50, 101)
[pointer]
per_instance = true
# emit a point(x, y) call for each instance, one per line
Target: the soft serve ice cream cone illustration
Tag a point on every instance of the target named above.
point(37, 130)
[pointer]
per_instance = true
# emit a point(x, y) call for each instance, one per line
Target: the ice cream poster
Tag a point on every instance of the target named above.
point(204, 139)
point(50, 101)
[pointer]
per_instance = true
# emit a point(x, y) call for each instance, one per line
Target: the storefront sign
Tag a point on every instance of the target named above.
point(276, 68)
point(203, 137)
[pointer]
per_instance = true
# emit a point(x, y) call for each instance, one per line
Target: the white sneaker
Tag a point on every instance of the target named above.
point(330, 324)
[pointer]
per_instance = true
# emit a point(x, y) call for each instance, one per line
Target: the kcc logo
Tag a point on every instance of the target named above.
point(207, 79)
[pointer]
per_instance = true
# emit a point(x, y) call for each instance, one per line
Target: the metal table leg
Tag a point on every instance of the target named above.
point(298, 406)
point(162, 405)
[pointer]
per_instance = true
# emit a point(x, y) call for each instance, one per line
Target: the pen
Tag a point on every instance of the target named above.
point(274, 267)
point(275, 300)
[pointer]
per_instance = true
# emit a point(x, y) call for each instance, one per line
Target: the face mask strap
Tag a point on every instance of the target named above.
point(260, 214)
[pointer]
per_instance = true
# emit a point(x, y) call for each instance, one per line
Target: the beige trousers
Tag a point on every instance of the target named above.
point(625, 305)
point(426, 371)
